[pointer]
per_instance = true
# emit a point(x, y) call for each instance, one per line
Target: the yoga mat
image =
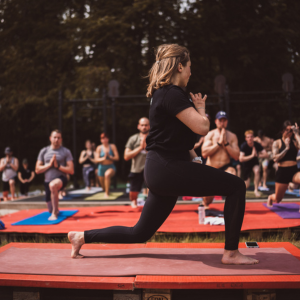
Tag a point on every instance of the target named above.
point(145, 261)
point(294, 192)
point(101, 196)
point(93, 190)
point(285, 210)
point(42, 218)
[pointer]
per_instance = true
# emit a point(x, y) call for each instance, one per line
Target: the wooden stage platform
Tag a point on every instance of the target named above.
point(45, 287)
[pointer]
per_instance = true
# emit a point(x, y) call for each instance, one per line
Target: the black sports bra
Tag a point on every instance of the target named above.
point(291, 154)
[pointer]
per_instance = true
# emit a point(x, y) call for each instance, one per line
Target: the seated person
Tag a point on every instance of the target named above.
point(25, 176)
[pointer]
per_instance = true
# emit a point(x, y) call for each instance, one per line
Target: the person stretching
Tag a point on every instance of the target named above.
point(285, 153)
point(220, 145)
point(135, 150)
point(106, 154)
point(56, 162)
point(87, 158)
point(249, 153)
point(172, 167)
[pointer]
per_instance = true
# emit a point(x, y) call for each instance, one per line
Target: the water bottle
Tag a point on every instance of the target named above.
point(201, 213)
point(127, 188)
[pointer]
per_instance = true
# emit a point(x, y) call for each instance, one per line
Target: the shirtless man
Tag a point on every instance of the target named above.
point(266, 143)
point(250, 152)
point(220, 145)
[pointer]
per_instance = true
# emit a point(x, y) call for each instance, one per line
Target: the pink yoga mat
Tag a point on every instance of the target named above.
point(144, 261)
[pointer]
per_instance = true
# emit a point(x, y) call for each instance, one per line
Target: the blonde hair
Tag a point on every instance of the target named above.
point(168, 57)
point(249, 132)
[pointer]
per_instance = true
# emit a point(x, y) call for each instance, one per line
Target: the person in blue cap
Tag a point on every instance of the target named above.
point(219, 147)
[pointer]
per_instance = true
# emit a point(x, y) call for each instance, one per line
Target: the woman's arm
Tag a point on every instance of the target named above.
point(20, 177)
point(31, 177)
point(275, 150)
point(116, 153)
point(201, 140)
point(97, 158)
point(196, 120)
point(83, 157)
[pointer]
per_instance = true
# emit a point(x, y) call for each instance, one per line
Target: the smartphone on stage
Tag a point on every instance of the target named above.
point(252, 245)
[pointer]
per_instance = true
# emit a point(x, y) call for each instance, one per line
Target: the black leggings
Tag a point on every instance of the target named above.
point(166, 181)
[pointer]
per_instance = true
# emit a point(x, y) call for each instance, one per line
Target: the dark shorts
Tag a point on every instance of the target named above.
point(224, 168)
point(5, 184)
point(285, 174)
point(136, 181)
point(247, 170)
point(47, 189)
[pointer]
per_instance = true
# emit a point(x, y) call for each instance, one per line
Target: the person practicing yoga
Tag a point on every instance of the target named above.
point(220, 145)
point(266, 163)
point(106, 154)
point(172, 167)
point(87, 159)
point(56, 162)
point(285, 153)
point(135, 150)
point(250, 152)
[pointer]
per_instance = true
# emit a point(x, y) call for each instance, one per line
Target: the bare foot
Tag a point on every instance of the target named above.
point(53, 217)
point(236, 258)
point(133, 204)
point(257, 194)
point(77, 240)
point(270, 202)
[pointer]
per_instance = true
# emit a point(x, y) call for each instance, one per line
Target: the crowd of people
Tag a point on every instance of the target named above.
point(219, 149)
point(258, 154)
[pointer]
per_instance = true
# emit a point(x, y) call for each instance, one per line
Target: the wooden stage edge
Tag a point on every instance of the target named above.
point(152, 282)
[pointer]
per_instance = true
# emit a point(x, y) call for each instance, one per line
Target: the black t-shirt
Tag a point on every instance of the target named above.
point(25, 174)
point(248, 151)
point(167, 133)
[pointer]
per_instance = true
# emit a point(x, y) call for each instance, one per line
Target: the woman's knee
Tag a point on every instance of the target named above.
point(240, 185)
point(142, 236)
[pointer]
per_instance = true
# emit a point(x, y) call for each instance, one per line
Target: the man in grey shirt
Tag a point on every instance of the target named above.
point(135, 150)
point(55, 161)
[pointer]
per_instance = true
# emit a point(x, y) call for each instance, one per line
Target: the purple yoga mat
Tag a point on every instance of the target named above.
point(285, 210)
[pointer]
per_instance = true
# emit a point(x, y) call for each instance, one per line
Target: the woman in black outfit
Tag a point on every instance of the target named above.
point(285, 154)
point(172, 167)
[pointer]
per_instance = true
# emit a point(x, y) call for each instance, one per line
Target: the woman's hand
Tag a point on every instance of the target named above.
point(198, 100)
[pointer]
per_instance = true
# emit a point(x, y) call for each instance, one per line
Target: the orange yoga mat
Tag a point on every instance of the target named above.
point(183, 219)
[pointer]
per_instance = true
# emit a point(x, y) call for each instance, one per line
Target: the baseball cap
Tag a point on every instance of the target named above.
point(221, 114)
point(7, 150)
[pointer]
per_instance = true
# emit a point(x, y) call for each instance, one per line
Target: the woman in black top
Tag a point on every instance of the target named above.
point(285, 153)
point(172, 167)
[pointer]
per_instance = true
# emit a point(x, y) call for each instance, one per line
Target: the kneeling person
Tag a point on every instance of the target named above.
point(56, 162)
point(220, 145)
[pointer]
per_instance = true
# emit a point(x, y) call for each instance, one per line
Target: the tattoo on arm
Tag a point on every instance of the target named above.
point(276, 155)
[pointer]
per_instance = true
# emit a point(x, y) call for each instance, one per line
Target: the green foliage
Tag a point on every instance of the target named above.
point(78, 46)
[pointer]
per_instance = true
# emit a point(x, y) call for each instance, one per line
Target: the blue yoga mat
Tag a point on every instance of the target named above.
point(42, 218)
point(294, 192)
